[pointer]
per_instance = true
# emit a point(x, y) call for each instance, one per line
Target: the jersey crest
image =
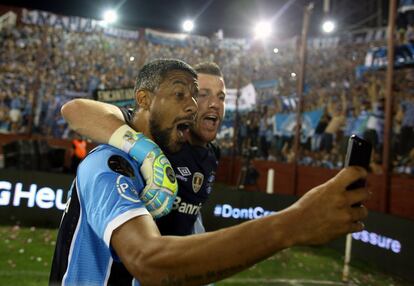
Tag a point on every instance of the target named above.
point(198, 179)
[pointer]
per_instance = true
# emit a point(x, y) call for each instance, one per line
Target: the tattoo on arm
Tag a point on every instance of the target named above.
point(209, 275)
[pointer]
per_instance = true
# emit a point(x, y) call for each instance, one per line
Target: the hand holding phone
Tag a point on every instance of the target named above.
point(358, 154)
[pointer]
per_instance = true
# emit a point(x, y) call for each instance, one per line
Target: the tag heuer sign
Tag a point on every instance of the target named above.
point(197, 181)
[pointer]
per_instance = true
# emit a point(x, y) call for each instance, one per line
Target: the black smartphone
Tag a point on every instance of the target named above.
point(358, 154)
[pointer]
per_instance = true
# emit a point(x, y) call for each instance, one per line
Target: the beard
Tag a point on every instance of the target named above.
point(161, 137)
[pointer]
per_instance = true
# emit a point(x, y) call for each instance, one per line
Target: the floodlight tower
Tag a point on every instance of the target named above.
point(110, 16)
point(263, 30)
point(188, 26)
point(328, 25)
point(300, 85)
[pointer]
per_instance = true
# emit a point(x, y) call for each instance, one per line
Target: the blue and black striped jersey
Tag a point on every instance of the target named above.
point(104, 195)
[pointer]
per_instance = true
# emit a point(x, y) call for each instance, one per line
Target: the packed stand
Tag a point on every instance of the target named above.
point(43, 67)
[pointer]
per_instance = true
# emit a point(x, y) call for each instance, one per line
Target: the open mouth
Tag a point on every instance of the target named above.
point(210, 122)
point(212, 118)
point(183, 126)
point(183, 130)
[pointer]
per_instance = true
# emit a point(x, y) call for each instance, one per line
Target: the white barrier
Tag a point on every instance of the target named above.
point(270, 181)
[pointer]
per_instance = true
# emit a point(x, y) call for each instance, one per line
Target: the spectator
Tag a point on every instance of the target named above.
point(334, 126)
point(407, 126)
point(79, 152)
point(50, 65)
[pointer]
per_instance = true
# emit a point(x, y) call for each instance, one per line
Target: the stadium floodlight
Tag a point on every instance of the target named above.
point(275, 50)
point(263, 30)
point(328, 26)
point(110, 16)
point(188, 26)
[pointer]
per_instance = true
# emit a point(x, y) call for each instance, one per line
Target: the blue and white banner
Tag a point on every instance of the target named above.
point(376, 58)
point(227, 125)
point(270, 83)
point(74, 24)
point(162, 38)
point(232, 44)
point(175, 39)
point(323, 43)
point(197, 40)
point(285, 124)
point(405, 6)
point(247, 99)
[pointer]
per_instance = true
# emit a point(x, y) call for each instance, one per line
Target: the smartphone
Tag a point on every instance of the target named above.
point(358, 154)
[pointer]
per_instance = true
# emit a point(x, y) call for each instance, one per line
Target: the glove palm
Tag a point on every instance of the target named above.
point(161, 186)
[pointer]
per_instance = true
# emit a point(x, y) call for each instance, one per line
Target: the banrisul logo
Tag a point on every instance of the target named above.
point(32, 196)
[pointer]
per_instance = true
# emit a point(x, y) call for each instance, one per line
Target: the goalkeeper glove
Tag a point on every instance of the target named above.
point(161, 186)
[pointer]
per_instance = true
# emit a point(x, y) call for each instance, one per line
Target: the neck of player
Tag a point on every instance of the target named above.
point(141, 123)
point(195, 140)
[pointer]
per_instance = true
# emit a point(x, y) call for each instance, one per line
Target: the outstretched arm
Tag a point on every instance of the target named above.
point(322, 214)
point(93, 119)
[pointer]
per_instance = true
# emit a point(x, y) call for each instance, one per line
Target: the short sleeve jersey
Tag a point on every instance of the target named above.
point(104, 195)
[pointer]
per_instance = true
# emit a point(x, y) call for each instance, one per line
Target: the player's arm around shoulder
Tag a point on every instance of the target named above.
point(106, 123)
point(93, 119)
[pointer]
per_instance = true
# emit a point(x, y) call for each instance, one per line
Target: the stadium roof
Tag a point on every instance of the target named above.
point(235, 17)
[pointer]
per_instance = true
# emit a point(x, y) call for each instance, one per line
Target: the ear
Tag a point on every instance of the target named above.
point(143, 99)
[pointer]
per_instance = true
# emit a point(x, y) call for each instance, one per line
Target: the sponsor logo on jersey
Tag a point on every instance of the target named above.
point(126, 190)
point(186, 208)
point(211, 177)
point(181, 178)
point(198, 179)
point(210, 182)
point(184, 171)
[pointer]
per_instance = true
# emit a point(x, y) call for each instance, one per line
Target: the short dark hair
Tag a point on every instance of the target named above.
point(210, 68)
point(152, 74)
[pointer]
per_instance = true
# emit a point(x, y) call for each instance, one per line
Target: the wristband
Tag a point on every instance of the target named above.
point(123, 138)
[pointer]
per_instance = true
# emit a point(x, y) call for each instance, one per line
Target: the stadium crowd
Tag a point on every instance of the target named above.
point(43, 67)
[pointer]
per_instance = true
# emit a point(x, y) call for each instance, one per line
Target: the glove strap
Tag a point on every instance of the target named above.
point(142, 147)
point(136, 144)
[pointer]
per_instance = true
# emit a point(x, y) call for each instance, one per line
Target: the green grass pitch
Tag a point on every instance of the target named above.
point(26, 255)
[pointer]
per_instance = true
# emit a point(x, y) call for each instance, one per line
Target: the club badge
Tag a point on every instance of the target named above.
point(198, 179)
